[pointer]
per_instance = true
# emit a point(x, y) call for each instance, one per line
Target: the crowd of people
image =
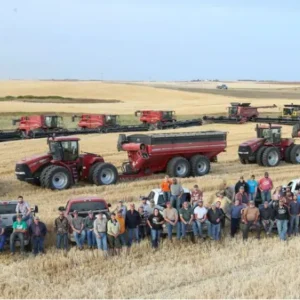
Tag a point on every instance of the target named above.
point(248, 206)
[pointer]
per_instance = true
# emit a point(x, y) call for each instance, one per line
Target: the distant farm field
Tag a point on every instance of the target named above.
point(230, 269)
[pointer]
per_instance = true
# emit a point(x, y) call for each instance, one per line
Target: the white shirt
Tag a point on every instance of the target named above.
point(22, 208)
point(200, 212)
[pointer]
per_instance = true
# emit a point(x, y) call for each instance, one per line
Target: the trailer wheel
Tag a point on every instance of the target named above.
point(58, 178)
point(200, 165)
point(287, 153)
point(259, 154)
point(178, 167)
point(105, 174)
point(271, 157)
point(295, 155)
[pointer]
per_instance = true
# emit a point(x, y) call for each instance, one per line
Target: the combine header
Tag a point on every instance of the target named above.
point(179, 155)
point(238, 113)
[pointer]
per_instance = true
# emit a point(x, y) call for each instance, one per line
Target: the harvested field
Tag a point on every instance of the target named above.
point(230, 269)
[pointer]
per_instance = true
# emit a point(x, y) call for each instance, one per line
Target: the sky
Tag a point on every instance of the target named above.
point(150, 40)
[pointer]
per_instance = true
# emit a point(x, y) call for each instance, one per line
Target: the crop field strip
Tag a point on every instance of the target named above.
point(238, 270)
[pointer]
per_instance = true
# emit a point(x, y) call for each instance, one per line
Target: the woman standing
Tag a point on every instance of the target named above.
point(155, 222)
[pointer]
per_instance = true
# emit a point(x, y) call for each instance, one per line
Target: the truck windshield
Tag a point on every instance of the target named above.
point(88, 205)
point(6, 209)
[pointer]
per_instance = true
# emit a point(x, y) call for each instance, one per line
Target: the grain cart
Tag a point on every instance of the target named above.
point(180, 155)
point(269, 148)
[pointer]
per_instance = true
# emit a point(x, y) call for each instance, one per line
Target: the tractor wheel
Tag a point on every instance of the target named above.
point(295, 155)
point(58, 178)
point(259, 155)
point(271, 157)
point(287, 153)
point(200, 165)
point(91, 172)
point(178, 167)
point(43, 175)
point(105, 174)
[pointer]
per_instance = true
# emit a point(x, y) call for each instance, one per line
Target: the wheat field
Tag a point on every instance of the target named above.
point(230, 269)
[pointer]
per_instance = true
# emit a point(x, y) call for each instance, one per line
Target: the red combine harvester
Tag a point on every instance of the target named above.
point(31, 125)
point(238, 113)
point(180, 155)
point(269, 148)
point(162, 119)
point(92, 121)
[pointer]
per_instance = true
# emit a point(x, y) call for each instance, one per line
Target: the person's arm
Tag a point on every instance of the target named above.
point(95, 230)
point(28, 209)
point(257, 216)
point(45, 230)
point(244, 215)
point(139, 219)
point(109, 228)
point(165, 217)
point(192, 218)
point(24, 228)
point(82, 226)
point(148, 222)
point(182, 219)
point(176, 217)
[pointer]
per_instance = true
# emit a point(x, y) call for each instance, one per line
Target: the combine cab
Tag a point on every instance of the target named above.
point(238, 113)
point(269, 148)
point(291, 111)
point(30, 125)
point(97, 121)
point(179, 155)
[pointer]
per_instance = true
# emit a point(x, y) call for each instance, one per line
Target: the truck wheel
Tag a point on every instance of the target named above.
point(259, 154)
point(287, 153)
point(200, 165)
point(178, 167)
point(58, 178)
point(295, 155)
point(105, 174)
point(271, 157)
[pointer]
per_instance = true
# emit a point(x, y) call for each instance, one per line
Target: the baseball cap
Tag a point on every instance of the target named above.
point(36, 217)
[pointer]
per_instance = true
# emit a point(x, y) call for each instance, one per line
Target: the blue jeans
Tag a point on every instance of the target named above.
point(122, 237)
point(133, 233)
point(62, 238)
point(252, 196)
point(166, 196)
point(102, 241)
point(2, 241)
point(266, 196)
point(215, 231)
point(294, 224)
point(20, 236)
point(155, 237)
point(91, 238)
point(184, 227)
point(282, 228)
point(79, 238)
point(38, 244)
point(175, 202)
point(170, 230)
point(200, 229)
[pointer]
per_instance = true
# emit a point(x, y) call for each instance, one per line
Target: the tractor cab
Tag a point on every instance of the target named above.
point(271, 133)
point(64, 148)
point(168, 115)
point(52, 121)
point(291, 110)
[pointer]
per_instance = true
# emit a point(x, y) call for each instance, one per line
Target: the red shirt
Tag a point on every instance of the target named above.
point(196, 195)
point(265, 184)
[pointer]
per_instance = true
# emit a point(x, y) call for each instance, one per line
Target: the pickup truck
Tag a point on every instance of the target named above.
point(83, 205)
point(8, 215)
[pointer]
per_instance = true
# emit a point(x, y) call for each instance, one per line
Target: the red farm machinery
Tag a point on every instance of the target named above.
point(179, 155)
point(238, 113)
point(269, 148)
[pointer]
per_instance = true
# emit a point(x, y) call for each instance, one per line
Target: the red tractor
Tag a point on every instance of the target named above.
point(156, 118)
point(94, 121)
point(30, 125)
point(269, 148)
point(63, 166)
point(179, 155)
